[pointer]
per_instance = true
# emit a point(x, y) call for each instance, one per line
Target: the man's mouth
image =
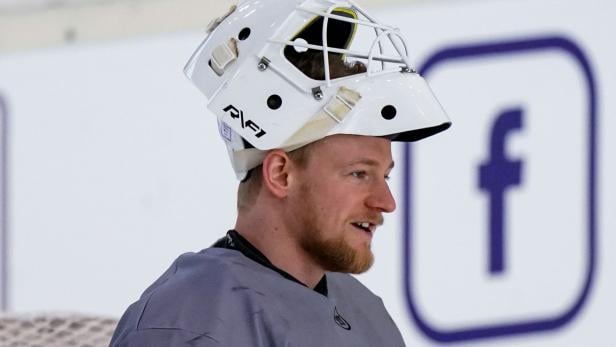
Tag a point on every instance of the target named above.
point(365, 226)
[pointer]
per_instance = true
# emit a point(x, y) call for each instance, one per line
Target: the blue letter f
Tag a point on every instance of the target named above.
point(495, 175)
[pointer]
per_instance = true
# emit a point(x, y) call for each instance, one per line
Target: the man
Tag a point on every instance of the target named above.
point(309, 136)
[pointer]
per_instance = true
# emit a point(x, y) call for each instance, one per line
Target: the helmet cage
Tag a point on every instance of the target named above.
point(376, 52)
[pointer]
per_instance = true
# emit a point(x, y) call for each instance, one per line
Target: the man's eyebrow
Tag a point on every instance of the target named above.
point(369, 162)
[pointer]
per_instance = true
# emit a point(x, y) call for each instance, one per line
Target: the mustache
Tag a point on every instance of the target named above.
point(376, 218)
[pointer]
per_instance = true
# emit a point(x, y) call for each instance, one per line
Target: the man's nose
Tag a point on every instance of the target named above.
point(381, 198)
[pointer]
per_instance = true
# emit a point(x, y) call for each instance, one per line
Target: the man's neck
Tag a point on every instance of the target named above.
point(281, 249)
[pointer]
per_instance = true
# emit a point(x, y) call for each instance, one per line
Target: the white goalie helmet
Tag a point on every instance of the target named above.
point(268, 71)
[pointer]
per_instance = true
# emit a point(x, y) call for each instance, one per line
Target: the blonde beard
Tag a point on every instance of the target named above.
point(335, 255)
point(332, 254)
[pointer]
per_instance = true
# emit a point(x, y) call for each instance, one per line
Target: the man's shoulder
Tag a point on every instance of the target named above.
point(209, 271)
point(199, 292)
point(195, 280)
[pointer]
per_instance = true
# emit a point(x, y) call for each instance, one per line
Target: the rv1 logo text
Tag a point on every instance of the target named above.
point(246, 123)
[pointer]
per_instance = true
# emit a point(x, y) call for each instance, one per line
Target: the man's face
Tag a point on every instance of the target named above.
point(342, 193)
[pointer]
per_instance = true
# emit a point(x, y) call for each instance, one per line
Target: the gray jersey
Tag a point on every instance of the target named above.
point(219, 297)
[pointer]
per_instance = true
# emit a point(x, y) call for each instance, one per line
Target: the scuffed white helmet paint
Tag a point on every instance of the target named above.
point(247, 69)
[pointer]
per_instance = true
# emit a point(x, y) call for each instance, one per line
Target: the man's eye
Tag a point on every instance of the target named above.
point(359, 174)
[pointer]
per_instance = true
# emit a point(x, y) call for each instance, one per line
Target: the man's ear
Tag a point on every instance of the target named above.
point(276, 169)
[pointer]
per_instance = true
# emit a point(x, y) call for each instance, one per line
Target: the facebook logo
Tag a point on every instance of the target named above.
point(496, 175)
point(499, 220)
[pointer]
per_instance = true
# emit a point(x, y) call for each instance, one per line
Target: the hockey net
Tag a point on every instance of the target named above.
point(55, 330)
